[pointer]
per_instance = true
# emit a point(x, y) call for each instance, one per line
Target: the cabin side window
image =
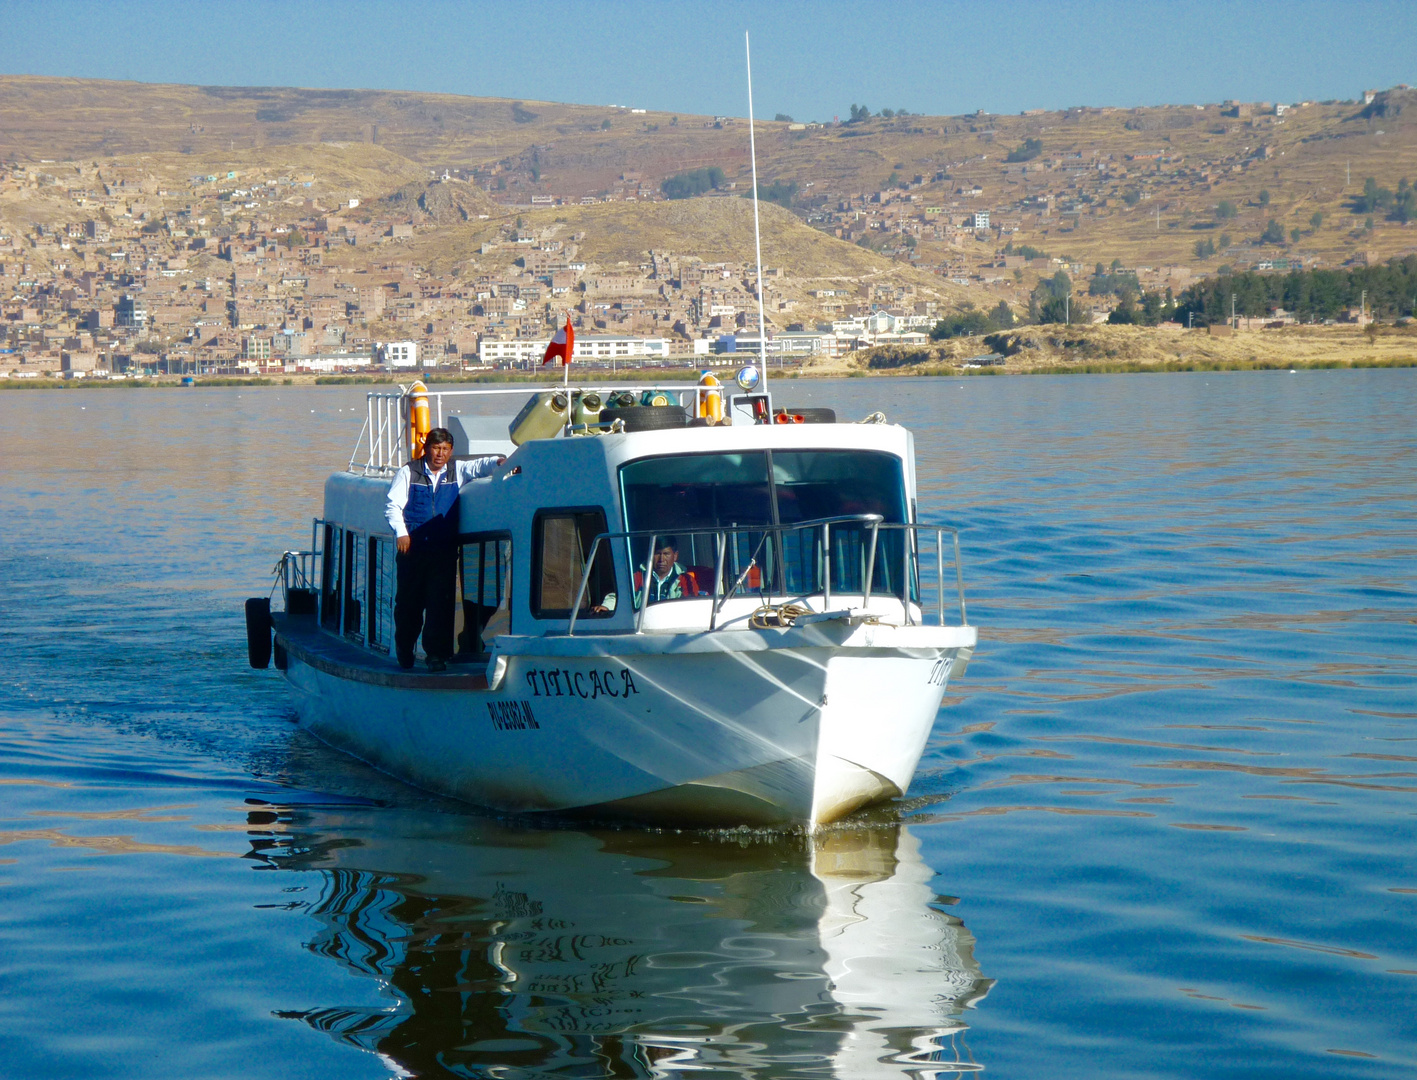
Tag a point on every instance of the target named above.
point(346, 574)
point(562, 540)
point(353, 563)
point(331, 550)
point(484, 592)
point(379, 592)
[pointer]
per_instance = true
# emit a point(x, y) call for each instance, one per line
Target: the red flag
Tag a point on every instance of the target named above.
point(562, 345)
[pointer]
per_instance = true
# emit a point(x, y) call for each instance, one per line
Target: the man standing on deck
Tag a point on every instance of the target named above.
point(423, 512)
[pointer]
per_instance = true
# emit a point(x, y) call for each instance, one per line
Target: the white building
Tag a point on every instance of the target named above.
point(600, 347)
point(607, 346)
point(328, 362)
point(397, 354)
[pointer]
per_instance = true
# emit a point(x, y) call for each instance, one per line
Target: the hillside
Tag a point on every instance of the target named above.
point(1139, 185)
point(255, 218)
point(618, 235)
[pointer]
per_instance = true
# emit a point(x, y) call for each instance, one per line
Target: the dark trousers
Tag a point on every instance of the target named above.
point(427, 578)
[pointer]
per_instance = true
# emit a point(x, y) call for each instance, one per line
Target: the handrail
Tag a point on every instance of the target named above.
point(386, 419)
point(295, 571)
point(910, 556)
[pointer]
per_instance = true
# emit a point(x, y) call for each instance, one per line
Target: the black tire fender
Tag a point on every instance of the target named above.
point(258, 631)
point(647, 417)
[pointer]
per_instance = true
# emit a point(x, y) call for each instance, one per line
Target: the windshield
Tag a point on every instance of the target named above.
point(689, 498)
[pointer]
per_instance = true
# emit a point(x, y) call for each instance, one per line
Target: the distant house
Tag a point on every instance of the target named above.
point(397, 354)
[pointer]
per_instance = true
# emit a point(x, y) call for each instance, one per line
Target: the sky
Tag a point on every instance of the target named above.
point(811, 61)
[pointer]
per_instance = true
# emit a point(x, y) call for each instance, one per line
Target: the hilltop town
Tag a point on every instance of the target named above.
point(459, 239)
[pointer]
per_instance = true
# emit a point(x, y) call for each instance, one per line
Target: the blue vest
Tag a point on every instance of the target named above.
point(431, 513)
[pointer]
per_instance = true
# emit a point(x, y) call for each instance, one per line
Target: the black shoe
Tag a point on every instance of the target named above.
point(405, 660)
point(437, 664)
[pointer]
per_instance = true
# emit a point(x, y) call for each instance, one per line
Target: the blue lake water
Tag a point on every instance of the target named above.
point(1165, 825)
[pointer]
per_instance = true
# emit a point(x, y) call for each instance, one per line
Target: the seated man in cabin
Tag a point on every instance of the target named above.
point(667, 579)
point(422, 510)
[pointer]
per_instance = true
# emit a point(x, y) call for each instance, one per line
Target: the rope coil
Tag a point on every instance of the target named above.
point(780, 617)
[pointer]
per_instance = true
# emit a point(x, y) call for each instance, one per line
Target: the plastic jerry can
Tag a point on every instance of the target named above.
point(542, 417)
point(586, 409)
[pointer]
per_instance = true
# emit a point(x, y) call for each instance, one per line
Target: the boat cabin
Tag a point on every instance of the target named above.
point(684, 530)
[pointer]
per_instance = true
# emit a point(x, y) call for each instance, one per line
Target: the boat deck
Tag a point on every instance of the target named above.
point(302, 638)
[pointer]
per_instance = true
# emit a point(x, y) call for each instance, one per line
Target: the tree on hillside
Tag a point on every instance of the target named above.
point(1030, 149)
point(1400, 205)
point(784, 118)
point(1312, 295)
point(1404, 207)
point(968, 321)
point(1115, 283)
point(1204, 249)
point(1125, 313)
point(1052, 301)
point(1373, 198)
point(1273, 233)
point(1026, 251)
point(781, 192)
point(695, 182)
point(1225, 210)
point(1224, 241)
point(859, 113)
point(1317, 219)
point(1264, 197)
point(1294, 235)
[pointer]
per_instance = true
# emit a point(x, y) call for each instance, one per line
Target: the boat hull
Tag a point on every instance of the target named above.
point(761, 730)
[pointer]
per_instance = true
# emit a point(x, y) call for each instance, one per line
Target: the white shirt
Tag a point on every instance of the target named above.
point(471, 469)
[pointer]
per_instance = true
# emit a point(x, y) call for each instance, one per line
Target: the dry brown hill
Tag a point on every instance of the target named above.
point(1139, 185)
point(622, 234)
point(70, 119)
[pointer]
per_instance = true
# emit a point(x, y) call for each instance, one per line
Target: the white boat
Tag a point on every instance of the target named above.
point(799, 684)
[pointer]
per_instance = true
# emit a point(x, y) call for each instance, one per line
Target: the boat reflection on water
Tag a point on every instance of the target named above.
point(515, 952)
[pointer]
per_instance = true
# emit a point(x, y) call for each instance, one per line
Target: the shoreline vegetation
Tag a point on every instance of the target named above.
point(1026, 350)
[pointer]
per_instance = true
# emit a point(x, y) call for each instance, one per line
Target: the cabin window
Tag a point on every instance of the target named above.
point(330, 576)
point(562, 542)
point(690, 496)
point(352, 562)
point(812, 484)
point(484, 593)
point(379, 592)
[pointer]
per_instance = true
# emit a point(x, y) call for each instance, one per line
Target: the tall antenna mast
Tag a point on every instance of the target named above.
point(757, 230)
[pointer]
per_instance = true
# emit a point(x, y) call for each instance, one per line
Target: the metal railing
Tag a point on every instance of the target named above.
point(384, 436)
point(774, 573)
point(296, 571)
